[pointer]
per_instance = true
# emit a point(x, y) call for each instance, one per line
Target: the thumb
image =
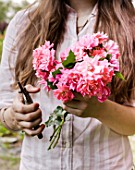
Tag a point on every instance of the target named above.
point(32, 89)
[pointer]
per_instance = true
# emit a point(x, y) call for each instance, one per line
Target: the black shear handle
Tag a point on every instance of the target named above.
point(28, 100)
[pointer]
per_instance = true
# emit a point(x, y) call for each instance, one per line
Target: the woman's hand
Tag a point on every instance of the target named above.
point(117, 117)
point(27, 116)
point(82, 106)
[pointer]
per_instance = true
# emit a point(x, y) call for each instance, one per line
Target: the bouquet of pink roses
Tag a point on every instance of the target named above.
point(87, 68)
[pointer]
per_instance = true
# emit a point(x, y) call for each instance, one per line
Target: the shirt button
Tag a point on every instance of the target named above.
point(66, 144)
point(68, 117)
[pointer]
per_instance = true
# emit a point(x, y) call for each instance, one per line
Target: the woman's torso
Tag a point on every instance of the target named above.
point(85, 144)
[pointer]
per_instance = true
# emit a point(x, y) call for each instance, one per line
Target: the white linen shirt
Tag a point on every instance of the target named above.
point(85, 143)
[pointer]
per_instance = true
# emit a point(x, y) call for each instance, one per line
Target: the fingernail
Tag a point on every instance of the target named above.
point(43, 125)
point(37, 105)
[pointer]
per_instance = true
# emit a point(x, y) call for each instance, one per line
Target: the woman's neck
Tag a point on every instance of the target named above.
point(82, 7)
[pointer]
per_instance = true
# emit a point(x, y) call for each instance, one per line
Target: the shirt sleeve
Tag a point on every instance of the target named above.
point(9, 55)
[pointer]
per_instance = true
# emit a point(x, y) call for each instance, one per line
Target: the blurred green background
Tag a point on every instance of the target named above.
point(10, 143)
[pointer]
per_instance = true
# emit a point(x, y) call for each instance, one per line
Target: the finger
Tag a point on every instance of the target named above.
point(22, 108)
point(75, 104)
point(29, 117)
point(32, 89)
point(78, 96)
point(19, 98)
point(30, 125)
point(34, 132)
point(76, 112)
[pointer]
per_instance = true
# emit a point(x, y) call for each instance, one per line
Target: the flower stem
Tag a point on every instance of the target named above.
point(56, 135)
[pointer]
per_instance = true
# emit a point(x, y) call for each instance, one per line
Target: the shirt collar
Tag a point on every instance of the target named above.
point(72, 11)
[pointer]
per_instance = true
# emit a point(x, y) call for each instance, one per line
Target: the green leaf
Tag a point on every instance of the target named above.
point(70, 60)
point(108, 57)
point(56, 72)
point(51, 85)
point(56, 117)
point(57, 109)
point(119, 75)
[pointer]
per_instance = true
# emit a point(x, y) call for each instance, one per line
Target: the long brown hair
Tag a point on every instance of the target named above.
point(47, 21)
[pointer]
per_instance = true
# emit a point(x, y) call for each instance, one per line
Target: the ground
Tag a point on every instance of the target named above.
point(10, 149)
point(10, 156)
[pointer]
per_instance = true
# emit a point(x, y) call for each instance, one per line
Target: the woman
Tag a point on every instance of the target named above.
point(95, 135)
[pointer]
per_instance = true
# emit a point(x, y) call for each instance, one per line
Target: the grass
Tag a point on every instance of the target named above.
point(1, 43)
point(11, 159)
point(9, 162)
point(4, 131)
